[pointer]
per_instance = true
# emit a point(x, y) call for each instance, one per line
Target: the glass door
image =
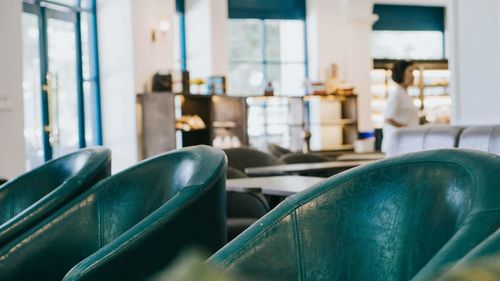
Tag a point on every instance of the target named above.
point(60, 79)
point(61, 84)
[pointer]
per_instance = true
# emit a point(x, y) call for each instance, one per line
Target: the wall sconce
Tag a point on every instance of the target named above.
point(160, 31)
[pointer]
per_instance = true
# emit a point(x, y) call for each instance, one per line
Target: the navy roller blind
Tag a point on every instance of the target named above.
point(267, 9)
point(414, 18)
point(179, 6)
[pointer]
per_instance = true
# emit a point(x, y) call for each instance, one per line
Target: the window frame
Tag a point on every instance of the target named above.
point(264, 62)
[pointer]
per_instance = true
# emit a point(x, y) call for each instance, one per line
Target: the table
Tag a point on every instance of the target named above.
point(279, 186)
point(360, 156)
point(305, 167)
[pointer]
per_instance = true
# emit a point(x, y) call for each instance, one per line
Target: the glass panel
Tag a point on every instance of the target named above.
point(32, 92)
point(407, 45)
point(288, 79)
point(245, 79)
point(63, 101)
point(291, 32)
point(244, 40)
point(85, 27)
point(66, 2)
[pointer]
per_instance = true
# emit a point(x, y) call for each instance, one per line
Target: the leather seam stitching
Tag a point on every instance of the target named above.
point(297, 240)
point(99, 224)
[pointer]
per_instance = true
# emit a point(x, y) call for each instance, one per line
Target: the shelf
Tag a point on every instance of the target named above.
point(335, 123)
point(193, 131)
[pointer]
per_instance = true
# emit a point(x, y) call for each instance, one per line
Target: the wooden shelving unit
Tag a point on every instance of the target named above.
point(255, 121)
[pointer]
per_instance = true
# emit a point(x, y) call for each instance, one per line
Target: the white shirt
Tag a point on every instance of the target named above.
point(401, 109)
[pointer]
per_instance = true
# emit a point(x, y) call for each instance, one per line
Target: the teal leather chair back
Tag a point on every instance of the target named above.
point(386, 221)
point(29, 198)
point(130, 225)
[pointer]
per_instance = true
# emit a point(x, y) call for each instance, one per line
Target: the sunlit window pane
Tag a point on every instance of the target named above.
point(244, 40)
point(420, 45)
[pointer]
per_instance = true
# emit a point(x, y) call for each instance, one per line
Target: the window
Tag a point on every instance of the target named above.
point(263, 51)
point(419, 45)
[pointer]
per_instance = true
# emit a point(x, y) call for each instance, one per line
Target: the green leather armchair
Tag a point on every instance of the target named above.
point(31, 197)
point(130, 225)
point(397, 219)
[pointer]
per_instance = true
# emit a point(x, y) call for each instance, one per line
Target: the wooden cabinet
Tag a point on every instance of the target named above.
point(159, 113)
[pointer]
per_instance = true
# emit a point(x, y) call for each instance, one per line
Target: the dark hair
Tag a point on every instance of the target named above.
point(398, 70)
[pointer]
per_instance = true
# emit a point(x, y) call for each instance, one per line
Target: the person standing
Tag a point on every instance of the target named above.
point(400, 110)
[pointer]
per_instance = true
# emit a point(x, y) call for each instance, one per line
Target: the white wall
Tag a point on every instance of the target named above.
point(206, 38)
point(128, 59)
point(12, 160)
point(475, 61)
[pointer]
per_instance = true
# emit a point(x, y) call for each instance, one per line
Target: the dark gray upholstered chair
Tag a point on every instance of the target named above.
point(298, 157)
point(2, 180)
point(485, 138)
point(245, 157)
point(277, 151)
point(422, 138)
point(243, 208)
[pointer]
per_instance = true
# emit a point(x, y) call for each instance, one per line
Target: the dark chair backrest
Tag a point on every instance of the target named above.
point(29, 198)
point(407, 140)
point(245, 157)
point(394, 219)
point(298, 157)
point(484, 138)
point(277, 151)
point(130, 225)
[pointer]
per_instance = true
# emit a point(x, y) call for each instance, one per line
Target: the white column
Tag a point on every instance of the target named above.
point(12, 154)
point(339, 31)
point(325, 36)
point(128, 59)
point(206, 38)
point(359, 64)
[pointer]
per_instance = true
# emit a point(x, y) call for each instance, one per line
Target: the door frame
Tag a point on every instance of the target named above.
point(45, 10)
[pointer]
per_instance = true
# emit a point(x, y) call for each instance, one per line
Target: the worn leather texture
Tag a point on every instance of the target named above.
point(407, 140)
point(245, 157)
point(485, 138)
point(31, 197)
point(130, 225)
point(396, 219)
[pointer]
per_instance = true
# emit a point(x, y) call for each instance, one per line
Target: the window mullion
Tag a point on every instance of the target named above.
point(263, 43)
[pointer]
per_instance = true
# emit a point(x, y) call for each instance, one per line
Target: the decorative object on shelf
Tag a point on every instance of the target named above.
point(162, 82)
point(160, 31)
point(198, 82)
point(216, 85)
point(189, 123)
point(269, 90)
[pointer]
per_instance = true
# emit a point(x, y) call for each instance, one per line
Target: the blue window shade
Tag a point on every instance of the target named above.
point(267, 9)
point(414, 18)
point(179, 6)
